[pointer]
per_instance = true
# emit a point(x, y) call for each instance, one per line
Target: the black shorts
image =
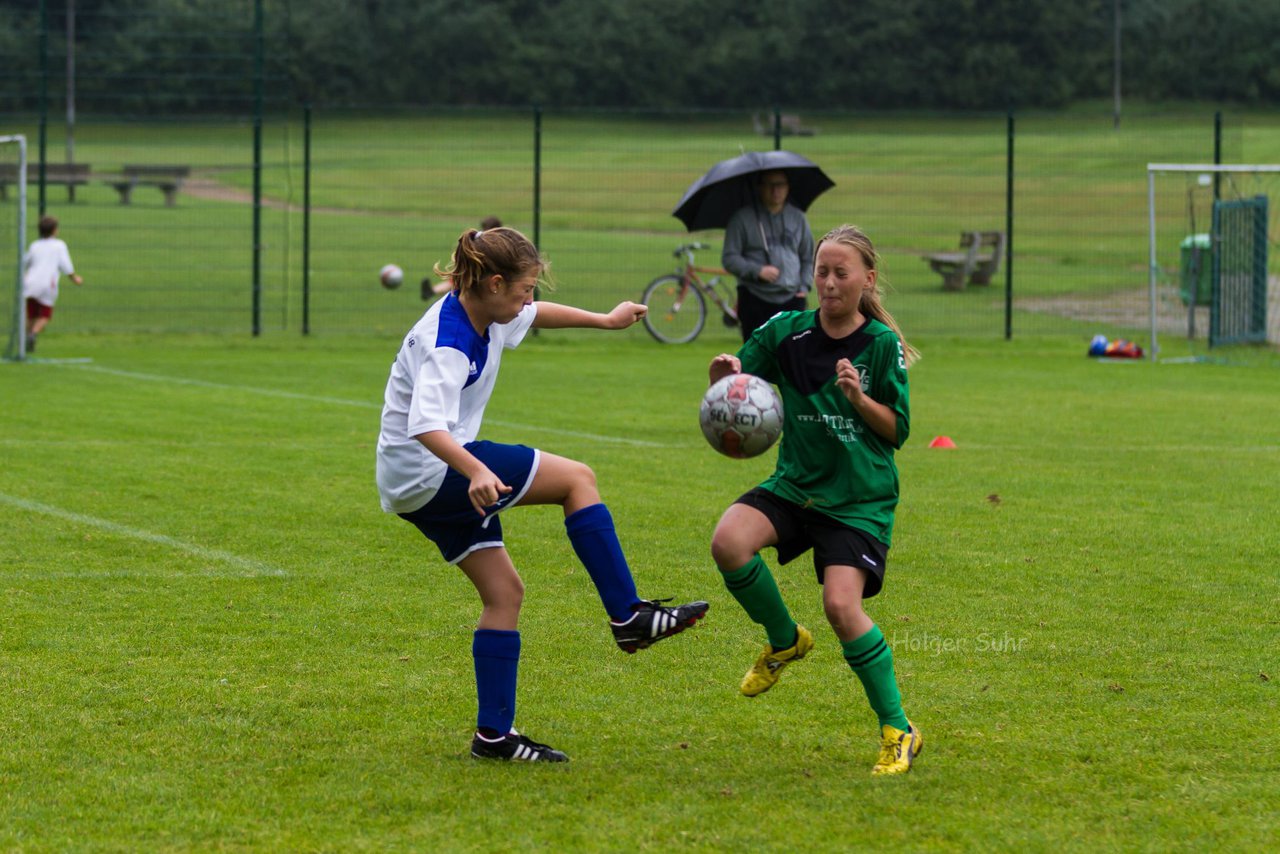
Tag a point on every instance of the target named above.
point(800, 529)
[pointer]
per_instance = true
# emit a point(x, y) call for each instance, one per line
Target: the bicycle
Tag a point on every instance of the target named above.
point(677, 302)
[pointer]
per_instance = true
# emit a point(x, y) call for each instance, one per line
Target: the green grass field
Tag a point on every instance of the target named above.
point(215, 640)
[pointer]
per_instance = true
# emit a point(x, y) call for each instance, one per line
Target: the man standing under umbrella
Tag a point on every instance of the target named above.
point(768, 246)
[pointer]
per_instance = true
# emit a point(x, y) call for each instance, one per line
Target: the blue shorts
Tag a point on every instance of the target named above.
point(451, 522)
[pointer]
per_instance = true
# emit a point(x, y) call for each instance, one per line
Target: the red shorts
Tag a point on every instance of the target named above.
point(37, 310)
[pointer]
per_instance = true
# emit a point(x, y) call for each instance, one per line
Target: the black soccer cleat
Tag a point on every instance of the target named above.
point(651, 622)
point(514, 747)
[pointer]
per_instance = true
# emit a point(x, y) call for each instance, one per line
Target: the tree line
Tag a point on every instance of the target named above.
point(639, 54)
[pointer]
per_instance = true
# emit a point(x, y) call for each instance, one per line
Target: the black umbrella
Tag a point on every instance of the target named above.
point(727, 186)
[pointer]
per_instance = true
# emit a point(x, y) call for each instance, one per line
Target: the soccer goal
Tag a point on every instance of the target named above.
point(1209, 236)
point(13, 231)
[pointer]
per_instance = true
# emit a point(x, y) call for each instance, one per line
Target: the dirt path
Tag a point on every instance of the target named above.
point(1133, 309)
point(207, 188)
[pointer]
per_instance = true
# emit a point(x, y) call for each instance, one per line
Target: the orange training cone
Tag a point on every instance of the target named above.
point(942, 442)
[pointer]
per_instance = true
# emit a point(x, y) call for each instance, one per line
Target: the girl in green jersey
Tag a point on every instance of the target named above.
point(842, 373)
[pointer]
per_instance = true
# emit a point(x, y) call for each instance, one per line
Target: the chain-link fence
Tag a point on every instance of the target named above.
point(342, 191)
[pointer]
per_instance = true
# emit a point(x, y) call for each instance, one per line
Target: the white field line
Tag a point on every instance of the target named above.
point(161, 378)
point(250, 567)
point(362, 404)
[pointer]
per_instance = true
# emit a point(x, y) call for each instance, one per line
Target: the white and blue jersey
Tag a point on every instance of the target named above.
point(442, 379)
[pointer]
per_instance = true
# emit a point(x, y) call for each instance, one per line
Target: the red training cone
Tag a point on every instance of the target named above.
point(942, 442)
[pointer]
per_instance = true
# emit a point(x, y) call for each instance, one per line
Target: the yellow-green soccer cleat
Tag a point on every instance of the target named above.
point(764, 674)
point(898, 749)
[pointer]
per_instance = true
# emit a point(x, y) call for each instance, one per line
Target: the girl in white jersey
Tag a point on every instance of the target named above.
point(432, 471)
point(47, 259)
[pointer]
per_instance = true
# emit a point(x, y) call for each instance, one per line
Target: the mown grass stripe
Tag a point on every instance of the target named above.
point(366, 404)
point(252, 567)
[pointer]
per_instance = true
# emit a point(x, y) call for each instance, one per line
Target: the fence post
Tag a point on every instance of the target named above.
point(306, 218)
point(1008, 232)
point(71, 94)
point(537, 175)
point(44, 96)
point(257, 167)
point(1217, 152)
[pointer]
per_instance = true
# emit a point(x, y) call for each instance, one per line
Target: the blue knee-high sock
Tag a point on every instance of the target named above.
point(497, 657)
point(596, 542)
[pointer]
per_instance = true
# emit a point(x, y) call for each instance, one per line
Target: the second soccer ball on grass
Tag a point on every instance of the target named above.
point(741, 416)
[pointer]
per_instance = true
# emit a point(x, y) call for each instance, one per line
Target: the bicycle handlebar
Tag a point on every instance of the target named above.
point(688, 247)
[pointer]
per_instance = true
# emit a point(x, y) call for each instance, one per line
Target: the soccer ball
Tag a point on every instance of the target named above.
point(391, 276)
point(741, 416)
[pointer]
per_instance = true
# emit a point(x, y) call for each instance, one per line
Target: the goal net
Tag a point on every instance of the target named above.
point(13, 231)
point(1210, 266)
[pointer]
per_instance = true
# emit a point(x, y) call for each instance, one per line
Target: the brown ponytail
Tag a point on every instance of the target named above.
point(496, 251)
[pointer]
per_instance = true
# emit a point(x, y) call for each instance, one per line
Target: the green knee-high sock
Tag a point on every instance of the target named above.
point(756, 591)
point(871, 658)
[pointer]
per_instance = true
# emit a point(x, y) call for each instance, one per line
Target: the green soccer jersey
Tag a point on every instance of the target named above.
point(829, 458)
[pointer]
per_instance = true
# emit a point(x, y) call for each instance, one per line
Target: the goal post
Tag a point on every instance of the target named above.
point(13, 232)
point(1234, 295)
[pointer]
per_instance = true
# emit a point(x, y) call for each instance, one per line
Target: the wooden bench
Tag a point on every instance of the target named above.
point(168, 178)
point(71, 175)
point(975, 263)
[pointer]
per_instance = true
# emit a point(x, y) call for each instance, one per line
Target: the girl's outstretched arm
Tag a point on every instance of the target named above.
point(555, 316)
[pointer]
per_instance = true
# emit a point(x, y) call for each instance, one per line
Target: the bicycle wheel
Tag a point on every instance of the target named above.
point(677, 312)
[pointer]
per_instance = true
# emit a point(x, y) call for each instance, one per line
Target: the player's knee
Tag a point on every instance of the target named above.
point(842, 609)
point(512, 600)
point(515, 592)
point(581, 483)
point(728, 551)
point(583, 475)
point(506, 595)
